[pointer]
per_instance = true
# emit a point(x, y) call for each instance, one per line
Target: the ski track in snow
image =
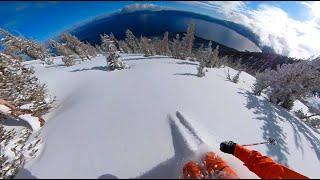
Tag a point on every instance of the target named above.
point(187, 124)
point(187, 146)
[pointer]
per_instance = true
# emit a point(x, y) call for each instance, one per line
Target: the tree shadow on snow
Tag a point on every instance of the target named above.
point(8, 121)
point(25, 174)
point(271, 115)
point(171, 168)
point(54, 66)
point(99, 68)
point(185, 74)
point(142, 58)
point(187, 63)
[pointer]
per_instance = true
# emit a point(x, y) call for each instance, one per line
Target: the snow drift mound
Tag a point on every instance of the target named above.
point(109, 124)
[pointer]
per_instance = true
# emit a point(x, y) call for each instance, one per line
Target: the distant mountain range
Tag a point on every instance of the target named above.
point(235, 40)
point(153, 23)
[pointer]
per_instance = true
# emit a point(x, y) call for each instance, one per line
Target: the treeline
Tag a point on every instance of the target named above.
point(283, 79)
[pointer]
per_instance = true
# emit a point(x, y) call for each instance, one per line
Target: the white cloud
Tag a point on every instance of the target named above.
point(274, 26)
point(136, 7)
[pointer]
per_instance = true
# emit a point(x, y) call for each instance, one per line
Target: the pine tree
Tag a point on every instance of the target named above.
point(98, 48)
point(229, 76)
point(114, 60)
point(263, 80)
point(105, 43)
point(199, 54)
point(124, 47)
point(115, 41)
point(145, 45)
point(189, 39)
point(91, 50)
point(289, 82)
point(19, 86)
point(164, 45)
point(69, 60)
point(177, 48)
point(37, 51)
point(207, 56)
point(201, 69)
point(17, 46)
point(153, 45)
point(214, 57)
point(156, 45)
point(76, 45)
point(235, 79)
point(61, 49)
point(132, 42)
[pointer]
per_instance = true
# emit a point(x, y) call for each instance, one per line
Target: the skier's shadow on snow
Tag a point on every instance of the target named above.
point(271, 115)
point(108, 176)
point(171, 168)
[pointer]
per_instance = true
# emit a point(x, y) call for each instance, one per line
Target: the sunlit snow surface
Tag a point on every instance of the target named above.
point(124, 123)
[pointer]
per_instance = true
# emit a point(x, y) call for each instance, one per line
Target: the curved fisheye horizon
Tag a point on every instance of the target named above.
point(159, 90)
point(293, 34)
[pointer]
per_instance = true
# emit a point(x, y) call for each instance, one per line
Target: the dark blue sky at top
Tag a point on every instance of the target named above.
point(43, 20)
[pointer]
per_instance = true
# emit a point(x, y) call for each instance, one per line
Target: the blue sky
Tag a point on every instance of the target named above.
point(283, 25)
point(42, 20)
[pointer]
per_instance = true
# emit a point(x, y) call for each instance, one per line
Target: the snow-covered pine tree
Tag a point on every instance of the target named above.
point(105, 43)
point(223, 61)
point(124, 47)
point(205, 54)
point(188, 40)
point(11, 45)
point(69, 60)
point(132, 42)
point(76, 45)
point(300, 114)
point(200, 54)
point(229, 76)
point(214, 58)
point(37, 51)
point(164, 45)
point(210, 57)
point(114, 60)
point(153, 45)
point(91, 50)
point(17, 46)
point(263, 80)
point(98, 48)
point(177, 48)
point(61, 49)
point(314, 122)
point(145, 46)
point(235, 79)
point(19, 86)
point(115, 41)
point(289, 82)
point(156, 46)
point(201, 69)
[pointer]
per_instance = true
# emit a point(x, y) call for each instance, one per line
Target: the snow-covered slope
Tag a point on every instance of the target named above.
point(125, 124)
